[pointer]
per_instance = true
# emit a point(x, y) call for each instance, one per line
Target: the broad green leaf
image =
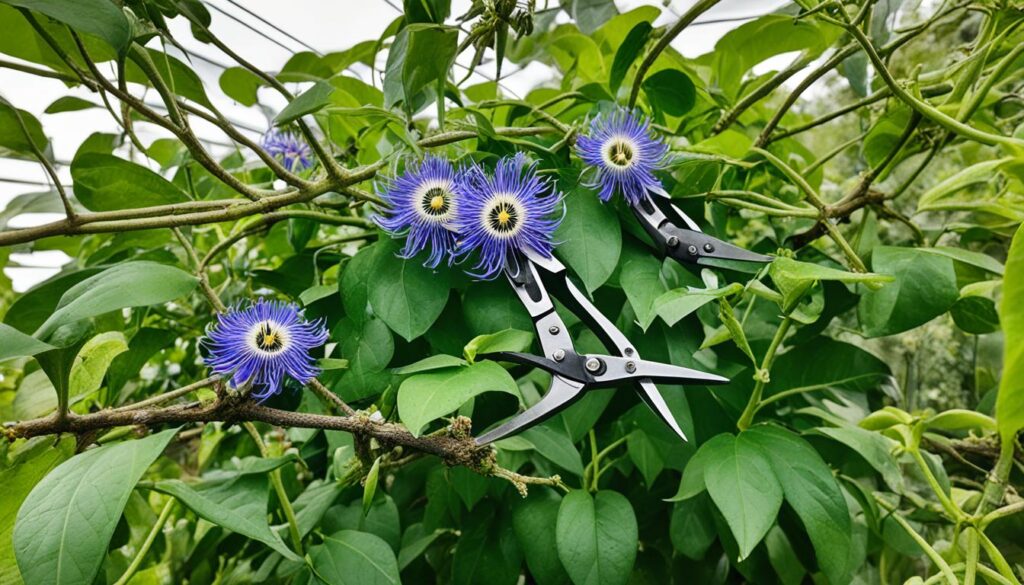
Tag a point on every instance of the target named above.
point(925, 287)
point(976, 259)
point(487, 551)
point(675, 305)
point(591, 14)
point(743, 486)
point(430, 54)
point(533, 520)
point(381, 521)
point(236, 500)
point(596, 537)
point(93, 360)
point(958, 419)
point(670, 91)
point(425, 397)
point(849, 366)
point(434, 362)
point(645, 456)
point(692, 528)
point(814, 494)
point(355, 558)
point(241, 85)
point(627, 53)
point(783, 558)
point(505, 340)
point(13, 126)
point(875, 448)
point(104, 182)
point(591, 240)
point(143, 345)
point(555, 447)
point(1010, 400)
point(793, 278)
point(406, 295)
point(69, 103)
point(132, 284)
point(308, 102)
point(693, 481)
point(65, 525)
point(14, 343)
point(42, 202)
point(18, 480)
point(368, 346)
point(975, 315)
point(415, 541)
point(95, 17)
point(179, 77)
point(640, 278)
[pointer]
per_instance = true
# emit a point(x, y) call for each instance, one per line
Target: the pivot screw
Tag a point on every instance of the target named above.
point(672, 241)
point(630, 367)
point(709, 247)
point(553, 330)
point(559, 355)
point(692, 250)
point(593, 365)
point(629, 351)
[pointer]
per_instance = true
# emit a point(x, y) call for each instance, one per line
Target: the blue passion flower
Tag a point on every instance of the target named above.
point(289, 148)
point(422, 208)
point(625, 152)
point(508, 211)
point(262, 344)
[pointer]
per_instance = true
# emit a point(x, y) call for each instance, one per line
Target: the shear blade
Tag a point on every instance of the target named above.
point(653, 398)
point(625, 368)
point(560, 395)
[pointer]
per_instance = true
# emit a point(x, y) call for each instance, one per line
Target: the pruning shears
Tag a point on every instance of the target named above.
point(573, 373)
point(678, 237)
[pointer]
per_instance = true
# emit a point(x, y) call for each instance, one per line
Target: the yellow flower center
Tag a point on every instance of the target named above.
point(503, 217)
point(267, 339)
point(437, 202)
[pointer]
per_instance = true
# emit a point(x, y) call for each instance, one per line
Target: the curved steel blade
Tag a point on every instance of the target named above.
point(652, 396)
point(560, 395)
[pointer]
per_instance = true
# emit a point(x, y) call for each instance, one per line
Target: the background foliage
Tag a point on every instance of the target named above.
point(869, 434)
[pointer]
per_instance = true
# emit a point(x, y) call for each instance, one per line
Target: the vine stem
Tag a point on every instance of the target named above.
point(932, 554)
point(762, 379)
point(147, 544)
point(282, 495)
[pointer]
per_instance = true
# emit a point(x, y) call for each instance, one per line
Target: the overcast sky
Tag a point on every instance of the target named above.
point(326, 25)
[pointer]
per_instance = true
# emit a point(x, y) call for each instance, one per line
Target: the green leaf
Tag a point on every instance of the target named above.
point(434, 362)
point(740, 481)
point(1010, 400)
point(555, 447)
point(415, 541)
point(241, 85)
point(975, 315)
point(430, 54)
point(875, 448)
point(976, 259)
point(65, 525)
point(355, 558)
point(132, 284)
point(925, 288)
point(591, 14)
point(14, 343)
point(487, 551)
point(370, 485)
point(693, 481)
point(596, 537)
point(406, 295)
point(627, 53)
point(641, 281)
point(143, 345)
point(793, 278)
point(958, 419)
point(236, 500)
point(505, 340)
point(95, 17)
point(425, 397)
point(814, 494)
point(670, 91)
point(310, 101)
point(591, 240)
point(978, 173)
point(178, 76)
point(13, 137)
point(735, 328)
point(692, 527)
point(93, 361)
point(104, 182)
point(849, 367)
point(675, 305)
point(645, 456)
point(783, 558)
point(69, 103)
point(18, 481)
point(533, 520)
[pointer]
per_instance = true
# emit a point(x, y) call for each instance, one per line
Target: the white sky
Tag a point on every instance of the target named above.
point(334, 26)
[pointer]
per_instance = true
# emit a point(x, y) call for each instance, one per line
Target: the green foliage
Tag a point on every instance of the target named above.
point(870, 429)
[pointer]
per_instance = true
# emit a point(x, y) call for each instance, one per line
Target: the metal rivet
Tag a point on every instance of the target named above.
point(692, 250)
point(672, 241)
point(630, 367)
point(559, 355)
point(709, 247)
point(629, 351)
point(593, 364)
point(553, 330)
